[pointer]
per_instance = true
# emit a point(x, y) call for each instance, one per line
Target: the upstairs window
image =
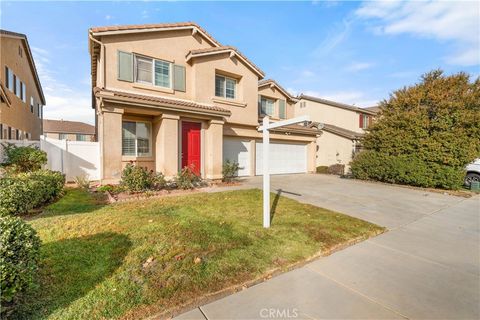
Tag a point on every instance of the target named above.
point(136, 138)
point(32, 103)
point(364, 121)
point(267, 106)
point(153, 71)
point(23, 93)
point(225, 87)
point(10, 82)
point(18, 87)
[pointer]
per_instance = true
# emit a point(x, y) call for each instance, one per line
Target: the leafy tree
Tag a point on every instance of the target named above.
point(425, 134)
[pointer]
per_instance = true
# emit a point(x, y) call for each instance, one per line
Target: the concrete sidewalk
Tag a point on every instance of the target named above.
point(427, 266)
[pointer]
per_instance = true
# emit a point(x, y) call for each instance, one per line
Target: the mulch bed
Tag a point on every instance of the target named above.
point(131, 196)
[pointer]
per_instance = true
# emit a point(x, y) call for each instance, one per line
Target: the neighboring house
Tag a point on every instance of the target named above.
point(68, 130)
point(344, 126)
point(21, 95)
point(375, 109)
point(169, 96)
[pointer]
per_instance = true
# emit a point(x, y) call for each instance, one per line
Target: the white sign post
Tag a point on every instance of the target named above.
point(266, 126)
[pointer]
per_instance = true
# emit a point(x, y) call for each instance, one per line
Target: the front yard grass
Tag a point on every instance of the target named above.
point(136, 259)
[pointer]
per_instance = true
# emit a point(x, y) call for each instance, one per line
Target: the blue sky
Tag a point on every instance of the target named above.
point(352, 52)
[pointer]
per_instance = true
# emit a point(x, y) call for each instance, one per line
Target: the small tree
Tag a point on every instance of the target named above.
point(23, 159)
point(425, 134)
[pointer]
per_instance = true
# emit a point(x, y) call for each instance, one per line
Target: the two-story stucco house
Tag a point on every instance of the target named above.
point(170, 95)
point(21, 94)
point(344, 126)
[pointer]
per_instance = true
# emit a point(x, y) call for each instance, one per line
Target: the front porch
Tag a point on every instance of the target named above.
point(159, 137)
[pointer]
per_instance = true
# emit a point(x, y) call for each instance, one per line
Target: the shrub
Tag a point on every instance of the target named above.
point(23, 159)
point(111, 188)
point(410, 170)
point(136, 178)
point(158, 181)
point(187, 179)
point(19, 253)
point(338, 169)
point(25, 191)
point(322, 169)
point(230, 170)
point(82, 182)
point(15, 196)
point(425, 135)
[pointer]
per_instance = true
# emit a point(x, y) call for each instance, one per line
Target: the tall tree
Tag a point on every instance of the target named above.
point(425, 134)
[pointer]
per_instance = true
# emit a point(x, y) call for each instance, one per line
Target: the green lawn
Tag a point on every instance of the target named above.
point(135, 259)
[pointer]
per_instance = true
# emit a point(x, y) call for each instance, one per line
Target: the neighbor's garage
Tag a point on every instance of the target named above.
point(284, 157)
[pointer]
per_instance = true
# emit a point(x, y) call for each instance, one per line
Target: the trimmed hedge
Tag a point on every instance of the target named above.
point(25, 191)
point(19, 253)
point(405, 169)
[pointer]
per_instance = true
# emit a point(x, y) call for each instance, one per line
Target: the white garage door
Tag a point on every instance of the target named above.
point(238, 150)
point(284, 158)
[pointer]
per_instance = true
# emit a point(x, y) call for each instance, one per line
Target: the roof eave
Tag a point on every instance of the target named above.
point(259, 72)
point(164, 106)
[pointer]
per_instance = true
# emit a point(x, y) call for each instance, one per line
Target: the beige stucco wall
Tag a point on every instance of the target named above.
point(173, 46)
point(324, 113)
point(333, 149)
point(18, 115)
point(273, 93)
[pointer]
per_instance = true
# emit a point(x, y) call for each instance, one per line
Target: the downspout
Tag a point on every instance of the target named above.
point(103, 77)
point(102, 57)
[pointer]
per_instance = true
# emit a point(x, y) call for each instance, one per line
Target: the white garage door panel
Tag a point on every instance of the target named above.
point(284, 158)
point(239, 151)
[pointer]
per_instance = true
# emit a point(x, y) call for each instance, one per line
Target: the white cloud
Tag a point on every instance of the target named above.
point(334, 39)
point(108, 17)
point(455, 21)
point(63, 102)
point(359, 66)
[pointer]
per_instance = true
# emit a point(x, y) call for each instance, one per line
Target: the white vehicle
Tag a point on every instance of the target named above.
point(473, 172)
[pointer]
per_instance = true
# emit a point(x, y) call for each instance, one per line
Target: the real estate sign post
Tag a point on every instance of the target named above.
point(266, 126)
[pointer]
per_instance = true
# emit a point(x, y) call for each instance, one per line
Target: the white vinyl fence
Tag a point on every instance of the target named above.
point(73, 158)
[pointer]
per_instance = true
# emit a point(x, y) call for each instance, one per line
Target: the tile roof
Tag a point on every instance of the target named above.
point(159, 100)
point(65, 126)
point(261, 83)
point(203, 51)
point(336, 104)
point(30, 56)
point(342, 131)
point(159, 26)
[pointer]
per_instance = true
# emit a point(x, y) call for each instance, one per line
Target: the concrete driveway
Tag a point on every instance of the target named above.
point(426, 267)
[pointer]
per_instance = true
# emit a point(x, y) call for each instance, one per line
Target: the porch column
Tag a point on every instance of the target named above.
point(214, 150)
point(110, 122)
point(166, 144)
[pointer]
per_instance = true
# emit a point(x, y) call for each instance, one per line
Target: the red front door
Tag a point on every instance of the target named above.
point(191, 148)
